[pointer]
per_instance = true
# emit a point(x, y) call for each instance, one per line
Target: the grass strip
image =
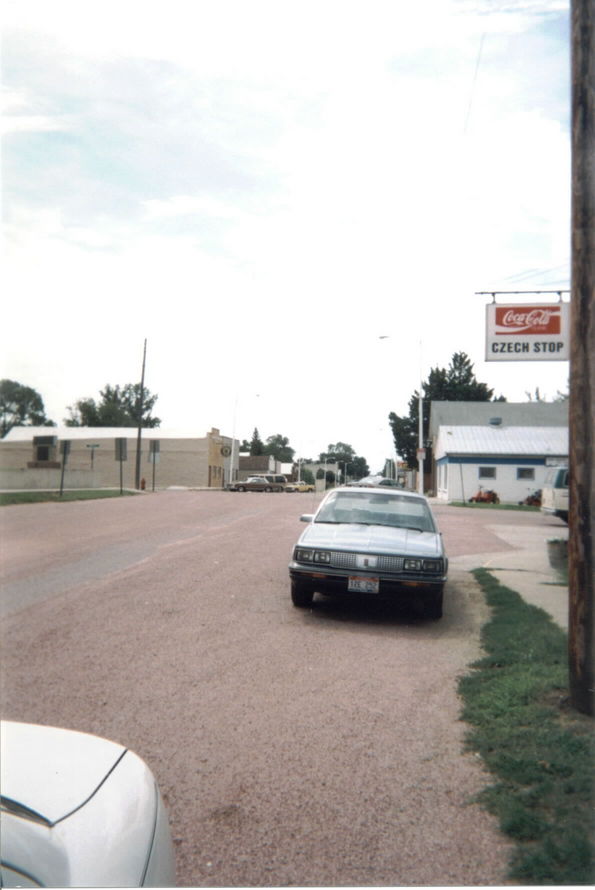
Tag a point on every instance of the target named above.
point(38, 497)
point(485, 506)
point(539, 750)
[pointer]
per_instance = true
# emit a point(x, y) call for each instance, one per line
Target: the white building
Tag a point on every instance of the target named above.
point(511, 460)
point(33, 458)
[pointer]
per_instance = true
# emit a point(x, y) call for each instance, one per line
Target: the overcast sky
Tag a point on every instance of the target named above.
point(263, 189)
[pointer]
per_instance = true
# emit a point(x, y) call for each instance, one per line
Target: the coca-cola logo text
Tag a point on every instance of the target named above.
point(528, 320)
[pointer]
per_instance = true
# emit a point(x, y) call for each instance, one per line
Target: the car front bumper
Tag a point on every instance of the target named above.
point(335, 581)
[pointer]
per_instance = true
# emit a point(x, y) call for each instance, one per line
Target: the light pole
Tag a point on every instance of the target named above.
point(421, 453)
point(420, 447)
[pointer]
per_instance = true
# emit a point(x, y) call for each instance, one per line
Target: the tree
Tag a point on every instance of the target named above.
point(118, 406)
point(329, 477)
point(455, 384)
point(307, 476)
point(20, 406)
point(358, 468)
point(256, 444)
point(278, 446)
point(341, 453)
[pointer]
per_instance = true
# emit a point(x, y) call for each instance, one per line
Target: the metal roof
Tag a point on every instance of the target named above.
point(538, 414)
point(513, 441)
point(26, 433)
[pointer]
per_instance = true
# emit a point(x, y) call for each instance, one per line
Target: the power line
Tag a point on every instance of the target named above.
point(475, 73)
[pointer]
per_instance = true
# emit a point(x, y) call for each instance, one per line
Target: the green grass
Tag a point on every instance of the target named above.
point(38, 497)
point(540, 752)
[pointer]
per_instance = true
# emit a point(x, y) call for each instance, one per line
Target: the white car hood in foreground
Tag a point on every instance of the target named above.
point(79, 811)
point(53, 771)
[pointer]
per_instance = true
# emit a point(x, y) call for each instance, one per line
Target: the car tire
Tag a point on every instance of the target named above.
point(435, 605)
point(240, 488)
point(301, 596)
point(267, 488)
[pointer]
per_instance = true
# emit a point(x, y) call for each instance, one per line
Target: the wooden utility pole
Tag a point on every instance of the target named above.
point(582, 362)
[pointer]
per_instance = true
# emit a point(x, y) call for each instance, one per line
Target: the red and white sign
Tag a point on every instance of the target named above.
point(527, 332)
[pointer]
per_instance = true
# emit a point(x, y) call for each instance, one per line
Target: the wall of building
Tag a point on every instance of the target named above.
point(459, 479)
point(185, 462)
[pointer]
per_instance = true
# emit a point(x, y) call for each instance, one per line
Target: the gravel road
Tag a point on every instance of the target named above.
point(308, 748)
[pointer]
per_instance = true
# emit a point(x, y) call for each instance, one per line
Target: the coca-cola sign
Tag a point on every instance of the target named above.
point(528, 319)
point(527, 332)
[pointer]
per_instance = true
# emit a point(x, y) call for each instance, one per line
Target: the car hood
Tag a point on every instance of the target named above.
point(53, 771)
point(79, 811)
point(372, 539)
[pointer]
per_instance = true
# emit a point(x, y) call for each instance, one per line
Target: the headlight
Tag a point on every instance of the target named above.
point(322, 556)
point(412, 565)
point(432, 565)
point(303, 555)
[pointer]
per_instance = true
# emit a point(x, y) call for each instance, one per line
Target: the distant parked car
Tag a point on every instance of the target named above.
point(375, 541)
point(79, 811)
point(260, 483)
point(299, 486)
point(374, 482)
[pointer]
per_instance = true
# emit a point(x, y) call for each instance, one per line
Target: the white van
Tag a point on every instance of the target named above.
point(554, 494)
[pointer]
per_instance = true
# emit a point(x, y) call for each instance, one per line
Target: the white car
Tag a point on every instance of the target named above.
point(381, 542)
point(79, 811)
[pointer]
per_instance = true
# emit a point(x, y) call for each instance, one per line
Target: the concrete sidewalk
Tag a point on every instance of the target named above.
point(526, 569)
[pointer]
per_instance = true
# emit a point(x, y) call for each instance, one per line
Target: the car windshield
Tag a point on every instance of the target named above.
point(377, 508)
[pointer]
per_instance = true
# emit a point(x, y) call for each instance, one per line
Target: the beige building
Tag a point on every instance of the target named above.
point(32, 458)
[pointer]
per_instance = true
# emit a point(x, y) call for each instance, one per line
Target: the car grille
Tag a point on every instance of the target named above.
point(340, 560)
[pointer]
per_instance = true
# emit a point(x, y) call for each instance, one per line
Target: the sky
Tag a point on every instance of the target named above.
point(293, 204)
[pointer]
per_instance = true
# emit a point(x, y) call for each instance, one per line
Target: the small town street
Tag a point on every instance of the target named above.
point(292, 747)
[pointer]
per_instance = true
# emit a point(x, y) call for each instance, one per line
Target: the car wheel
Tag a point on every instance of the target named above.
point(240, 488)
point(434, 606)
point(301, 596)
point(268, 488)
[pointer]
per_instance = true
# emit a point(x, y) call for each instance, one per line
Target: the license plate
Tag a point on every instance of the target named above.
point(363, 585)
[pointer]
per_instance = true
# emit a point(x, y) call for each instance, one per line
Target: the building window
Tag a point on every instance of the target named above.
point(44, 453)
point(525, 473)
point(487, 472)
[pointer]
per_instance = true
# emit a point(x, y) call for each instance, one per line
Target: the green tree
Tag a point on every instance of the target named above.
point(342, 453)
point(338, 451)
point(358, 468)
point(20, 406)
point(256, 444)
point(329, 479)
point(278, 446)
point(117, 406)
point(457, 383)
point(307, 476)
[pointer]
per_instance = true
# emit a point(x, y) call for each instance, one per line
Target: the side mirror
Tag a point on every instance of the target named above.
point(306, 517)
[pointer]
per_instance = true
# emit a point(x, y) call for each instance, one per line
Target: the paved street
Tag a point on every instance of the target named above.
point(293, 747)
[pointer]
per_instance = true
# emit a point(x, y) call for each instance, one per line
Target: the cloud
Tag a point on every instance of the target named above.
point(262, 189)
